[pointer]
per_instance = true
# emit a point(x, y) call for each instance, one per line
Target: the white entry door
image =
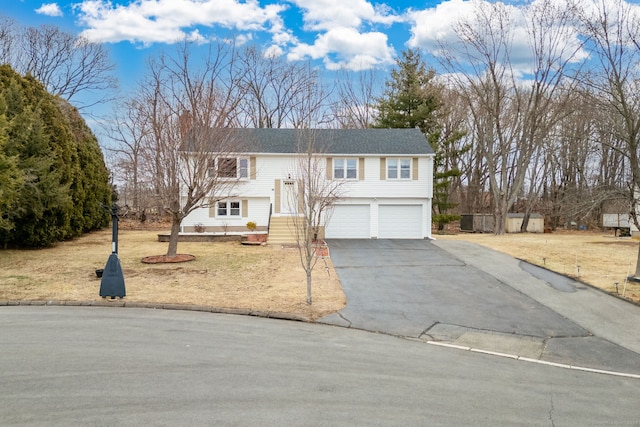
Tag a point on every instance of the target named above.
point(289, 200)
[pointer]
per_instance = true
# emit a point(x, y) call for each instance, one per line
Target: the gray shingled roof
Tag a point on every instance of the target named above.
point(334, 141)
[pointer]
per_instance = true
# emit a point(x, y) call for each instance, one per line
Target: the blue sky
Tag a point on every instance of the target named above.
point(352, 34)
point(333, 34)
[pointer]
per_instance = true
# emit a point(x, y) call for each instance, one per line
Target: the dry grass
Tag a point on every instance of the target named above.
point(266, 278)
point(597, 258)
point(224, 274)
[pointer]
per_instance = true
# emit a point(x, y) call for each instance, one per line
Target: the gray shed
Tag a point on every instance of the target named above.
point(477, 223)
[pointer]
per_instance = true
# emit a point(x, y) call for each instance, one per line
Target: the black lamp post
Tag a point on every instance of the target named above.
point(112, 283)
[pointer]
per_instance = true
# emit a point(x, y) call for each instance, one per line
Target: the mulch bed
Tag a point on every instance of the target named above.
point(162, 259)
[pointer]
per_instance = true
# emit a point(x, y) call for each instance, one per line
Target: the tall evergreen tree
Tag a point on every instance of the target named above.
point(62, 182)
point(11, 177)
point(413, 99)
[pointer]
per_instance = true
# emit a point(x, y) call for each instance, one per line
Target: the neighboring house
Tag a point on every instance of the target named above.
point(387, 174)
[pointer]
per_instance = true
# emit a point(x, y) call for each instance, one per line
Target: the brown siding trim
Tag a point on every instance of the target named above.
point(252, 168)
point(300, 191)
point(276, 196)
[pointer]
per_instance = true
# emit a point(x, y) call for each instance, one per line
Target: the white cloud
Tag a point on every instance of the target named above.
point(49, 9)
point(430, 26)
point(322, 15)
point(354, 50)
point(348, 35)
point(150, 21)
point(436, 27)
point(273, 51)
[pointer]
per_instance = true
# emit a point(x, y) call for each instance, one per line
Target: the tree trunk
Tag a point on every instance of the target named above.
point(498, 219)
point(173, 238)
point(636, 275)
point(525, 222)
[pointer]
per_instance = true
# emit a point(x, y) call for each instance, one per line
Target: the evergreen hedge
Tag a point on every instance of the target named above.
point(53, 179)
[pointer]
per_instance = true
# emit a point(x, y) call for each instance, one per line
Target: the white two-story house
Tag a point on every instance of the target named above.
point(387, 190)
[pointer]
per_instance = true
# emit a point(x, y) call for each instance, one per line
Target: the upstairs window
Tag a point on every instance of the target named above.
point(227, 167)
point(398, 168)
point(243, 170)
point(230, 167)
point(345, 168)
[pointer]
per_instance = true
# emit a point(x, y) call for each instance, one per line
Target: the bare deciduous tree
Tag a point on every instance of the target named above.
point(66, 64)
point(7, 36)
point(130, 133)
point(275, 90)
point(512, 117)
point(356, 97)
point(613, 29)
point(314, 199)
point(190, 109)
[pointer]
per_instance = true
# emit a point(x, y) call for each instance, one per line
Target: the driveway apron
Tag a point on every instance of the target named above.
point(471, 296)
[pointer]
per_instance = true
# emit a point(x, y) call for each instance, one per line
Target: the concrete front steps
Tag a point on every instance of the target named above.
point(281, 231)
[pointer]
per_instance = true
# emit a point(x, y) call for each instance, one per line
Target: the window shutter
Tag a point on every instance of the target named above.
point(329, 168)
point(252, 168)
point(245, 208)
point(383, 168)
point(415, 169)
point(276, 196)
point(361, 167)
point(212, 208)
point(301, 196)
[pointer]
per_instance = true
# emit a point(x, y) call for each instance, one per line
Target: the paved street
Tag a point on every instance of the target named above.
point(97, 366)
point(463, 294)
point(384, 364)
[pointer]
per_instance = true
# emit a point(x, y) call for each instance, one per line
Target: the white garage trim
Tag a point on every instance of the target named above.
point(349, 222)
point(400, 222)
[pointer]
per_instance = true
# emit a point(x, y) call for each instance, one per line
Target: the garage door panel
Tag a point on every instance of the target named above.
point(349, 222)
point(400, 222)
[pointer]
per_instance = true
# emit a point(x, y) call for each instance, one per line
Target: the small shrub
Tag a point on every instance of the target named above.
point(251, 226)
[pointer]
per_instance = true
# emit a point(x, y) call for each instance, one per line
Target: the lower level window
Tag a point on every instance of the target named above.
point(228, 208)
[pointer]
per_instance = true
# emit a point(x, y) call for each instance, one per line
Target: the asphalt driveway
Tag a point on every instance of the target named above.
point(468, 295)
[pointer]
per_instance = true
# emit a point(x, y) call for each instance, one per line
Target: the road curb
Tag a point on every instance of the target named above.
point(121, 303)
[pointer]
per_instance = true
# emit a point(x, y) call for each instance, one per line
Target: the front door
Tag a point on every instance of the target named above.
point(289, 200)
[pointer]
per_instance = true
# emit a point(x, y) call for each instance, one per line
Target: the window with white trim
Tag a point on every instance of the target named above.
point(229, 167)
point(228, 209)
point(243, 169)
point(345, 168)
point(398, 168)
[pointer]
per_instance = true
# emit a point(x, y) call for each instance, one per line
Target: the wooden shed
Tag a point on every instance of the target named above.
point(514, 222)
point(484, 223)
point(477, 223)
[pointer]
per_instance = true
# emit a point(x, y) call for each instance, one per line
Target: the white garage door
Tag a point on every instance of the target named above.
point(400, 222)
point(349, 222)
